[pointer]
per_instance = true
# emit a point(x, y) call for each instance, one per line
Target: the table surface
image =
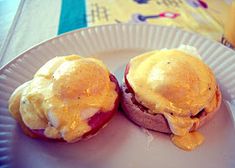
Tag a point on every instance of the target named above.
point(8, 10)
point(30, 27)
point(25, 23)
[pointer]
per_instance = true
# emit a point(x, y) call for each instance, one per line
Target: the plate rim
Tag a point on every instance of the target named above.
point(105, 26)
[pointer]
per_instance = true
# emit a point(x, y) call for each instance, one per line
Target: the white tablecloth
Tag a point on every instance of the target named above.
point(35, 21)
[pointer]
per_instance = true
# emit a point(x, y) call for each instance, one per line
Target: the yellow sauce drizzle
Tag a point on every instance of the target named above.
point(189, 141)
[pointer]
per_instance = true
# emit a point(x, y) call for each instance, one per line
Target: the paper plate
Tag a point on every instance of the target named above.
point(121, 143)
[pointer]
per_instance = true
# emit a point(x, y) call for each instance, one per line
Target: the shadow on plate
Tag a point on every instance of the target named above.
point(94, 150)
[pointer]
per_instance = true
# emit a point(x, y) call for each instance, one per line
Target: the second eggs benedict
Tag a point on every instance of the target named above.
point(171, 91)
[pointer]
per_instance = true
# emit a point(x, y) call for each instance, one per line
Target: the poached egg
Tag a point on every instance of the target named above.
point(177, 84)
point(63, 94)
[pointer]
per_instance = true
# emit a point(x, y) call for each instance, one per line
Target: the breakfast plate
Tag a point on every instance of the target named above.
point(121, 143)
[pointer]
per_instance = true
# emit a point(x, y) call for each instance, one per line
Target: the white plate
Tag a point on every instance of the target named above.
point(121, 143)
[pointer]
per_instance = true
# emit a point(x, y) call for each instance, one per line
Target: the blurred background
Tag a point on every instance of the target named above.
point(25, 23)
point(8, 9)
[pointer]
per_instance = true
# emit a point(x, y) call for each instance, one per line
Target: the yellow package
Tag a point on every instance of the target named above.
point(202, 16)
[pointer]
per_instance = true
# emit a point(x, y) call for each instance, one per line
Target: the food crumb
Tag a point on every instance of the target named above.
point(150, 137)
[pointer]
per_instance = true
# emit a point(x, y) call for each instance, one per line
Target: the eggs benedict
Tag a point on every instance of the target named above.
point(68, 99)
point(171, 91)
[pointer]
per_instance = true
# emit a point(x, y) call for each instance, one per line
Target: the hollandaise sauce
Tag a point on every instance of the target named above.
point(189, 141)
point(63, 94)
point(176, 84)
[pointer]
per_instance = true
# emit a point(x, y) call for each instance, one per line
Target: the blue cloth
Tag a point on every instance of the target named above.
point(72, 16)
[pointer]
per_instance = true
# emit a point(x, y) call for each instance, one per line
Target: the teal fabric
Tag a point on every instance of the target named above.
point(72, 16)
